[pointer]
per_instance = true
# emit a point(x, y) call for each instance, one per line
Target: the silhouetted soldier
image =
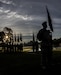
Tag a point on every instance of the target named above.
point(45, 37)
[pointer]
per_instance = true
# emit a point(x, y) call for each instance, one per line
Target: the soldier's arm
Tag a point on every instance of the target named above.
point(39, 35)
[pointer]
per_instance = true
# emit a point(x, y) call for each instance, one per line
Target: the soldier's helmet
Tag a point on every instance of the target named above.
point(44, 24)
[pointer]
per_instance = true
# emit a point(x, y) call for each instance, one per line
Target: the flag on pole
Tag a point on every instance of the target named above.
point(20, 36)
point(33, 38)
point(49, 20)
point(15, 38)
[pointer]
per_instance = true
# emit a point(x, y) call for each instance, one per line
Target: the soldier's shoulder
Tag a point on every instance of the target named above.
point(49, 31)
point(41, 30)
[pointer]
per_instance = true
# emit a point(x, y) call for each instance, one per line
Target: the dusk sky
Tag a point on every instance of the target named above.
point(27, 16)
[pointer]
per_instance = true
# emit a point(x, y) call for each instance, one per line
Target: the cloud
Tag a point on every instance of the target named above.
point(8, 2)
point(2, 10)
point(26, 16)
point(57, 20)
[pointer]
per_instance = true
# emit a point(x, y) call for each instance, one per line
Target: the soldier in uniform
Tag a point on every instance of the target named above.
point(45, 36)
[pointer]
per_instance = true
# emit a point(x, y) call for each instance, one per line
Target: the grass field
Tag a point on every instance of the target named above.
point(20, 63)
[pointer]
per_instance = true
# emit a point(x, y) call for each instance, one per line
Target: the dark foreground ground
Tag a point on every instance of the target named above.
point(28, 64)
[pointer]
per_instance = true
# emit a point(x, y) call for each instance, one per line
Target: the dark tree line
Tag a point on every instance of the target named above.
point(56, 42)
point(7, 36)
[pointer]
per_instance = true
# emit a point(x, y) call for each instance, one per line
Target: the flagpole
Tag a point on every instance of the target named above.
point(49, 19)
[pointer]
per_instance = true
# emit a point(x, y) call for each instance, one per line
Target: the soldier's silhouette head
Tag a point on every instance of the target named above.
point(44, 24)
